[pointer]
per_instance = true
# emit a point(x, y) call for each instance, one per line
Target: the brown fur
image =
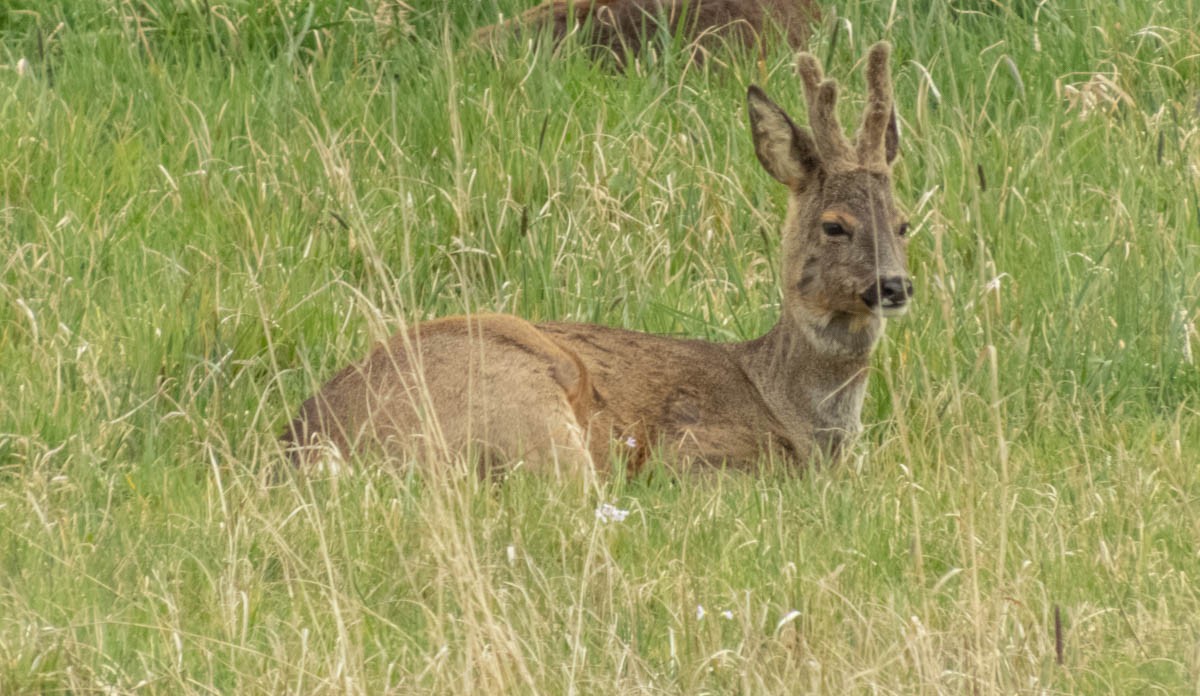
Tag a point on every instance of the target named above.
point(621, 27)
point(563, 396)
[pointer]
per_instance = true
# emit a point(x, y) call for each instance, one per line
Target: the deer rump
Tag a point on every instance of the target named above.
point(624, 27)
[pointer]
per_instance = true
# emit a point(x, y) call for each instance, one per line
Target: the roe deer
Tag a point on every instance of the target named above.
point(569, 395)
point(624, 26)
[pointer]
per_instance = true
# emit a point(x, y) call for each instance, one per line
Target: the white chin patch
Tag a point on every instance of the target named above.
point(894, 310)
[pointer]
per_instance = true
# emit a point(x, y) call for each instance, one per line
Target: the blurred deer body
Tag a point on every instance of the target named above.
point(563, 397)
point(625, 26)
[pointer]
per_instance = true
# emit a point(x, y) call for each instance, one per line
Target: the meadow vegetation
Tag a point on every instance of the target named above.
point(209, 207)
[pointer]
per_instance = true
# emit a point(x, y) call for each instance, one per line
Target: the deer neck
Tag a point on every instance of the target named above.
point(812, 373)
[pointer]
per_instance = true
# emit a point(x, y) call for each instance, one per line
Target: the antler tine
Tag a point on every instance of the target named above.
point(872, 134)
point(822, 112)
point(810, 73)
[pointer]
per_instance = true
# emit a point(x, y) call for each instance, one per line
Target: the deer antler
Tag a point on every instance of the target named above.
point(821, 94)
point(873, 136)
point(876, 140)
point(811, 74)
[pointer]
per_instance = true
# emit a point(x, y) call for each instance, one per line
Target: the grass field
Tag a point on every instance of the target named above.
point(207, 208)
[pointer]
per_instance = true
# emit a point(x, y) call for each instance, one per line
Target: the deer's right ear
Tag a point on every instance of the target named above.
point(785, 151)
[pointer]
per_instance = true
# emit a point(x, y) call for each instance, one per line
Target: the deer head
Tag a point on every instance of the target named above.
point(844, 243)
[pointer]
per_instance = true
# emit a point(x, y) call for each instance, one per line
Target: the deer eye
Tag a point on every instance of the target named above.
point(834, 229)
point(903, 231)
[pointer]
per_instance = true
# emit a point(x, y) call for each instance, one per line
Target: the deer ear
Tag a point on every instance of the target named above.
point(785, 151)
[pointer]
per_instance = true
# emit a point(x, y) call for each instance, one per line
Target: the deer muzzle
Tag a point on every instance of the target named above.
point(889, 295)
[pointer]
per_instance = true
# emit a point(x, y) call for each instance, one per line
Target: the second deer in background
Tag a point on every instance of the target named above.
point(623, 27)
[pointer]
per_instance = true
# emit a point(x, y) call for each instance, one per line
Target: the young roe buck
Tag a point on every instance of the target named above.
point(564, 397)
point(625, 26)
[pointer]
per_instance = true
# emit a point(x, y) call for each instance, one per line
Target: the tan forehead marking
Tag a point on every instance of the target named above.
point(841, 217)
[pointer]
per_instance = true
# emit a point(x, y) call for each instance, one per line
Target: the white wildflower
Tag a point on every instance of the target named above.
point(607, 512)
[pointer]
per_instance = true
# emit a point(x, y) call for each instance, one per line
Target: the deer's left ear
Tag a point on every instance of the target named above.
point(787, 152)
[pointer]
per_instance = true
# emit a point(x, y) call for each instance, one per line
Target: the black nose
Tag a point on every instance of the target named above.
point(892, 291)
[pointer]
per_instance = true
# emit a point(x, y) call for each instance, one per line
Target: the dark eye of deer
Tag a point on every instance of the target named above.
point(833, 229)
point(903, 231)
